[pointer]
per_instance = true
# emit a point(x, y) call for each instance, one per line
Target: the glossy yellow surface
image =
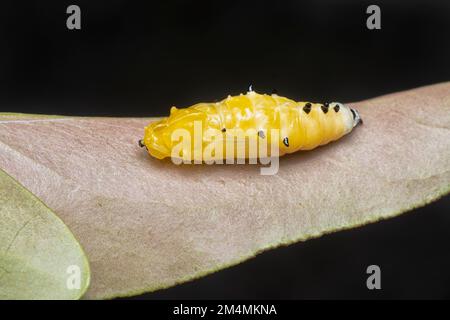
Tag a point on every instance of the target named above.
point(300, 126)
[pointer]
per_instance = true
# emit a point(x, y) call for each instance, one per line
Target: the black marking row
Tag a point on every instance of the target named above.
point(324, 107)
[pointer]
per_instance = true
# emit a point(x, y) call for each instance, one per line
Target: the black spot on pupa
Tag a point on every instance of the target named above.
point(224, 129)
point(336, 108)
point(307, 108)
point(261, 134)
point(325, 108)
point(286, 141)
point(141, 143)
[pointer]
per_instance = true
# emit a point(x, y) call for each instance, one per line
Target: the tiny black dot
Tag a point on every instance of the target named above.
point(324, 108)
point(261, 134)
point(286, 142)
point(307, 108)
point(141, 143)
point(336, 108)
point(224, 130)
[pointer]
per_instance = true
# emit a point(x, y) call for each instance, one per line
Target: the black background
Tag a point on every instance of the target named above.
point(139, 58)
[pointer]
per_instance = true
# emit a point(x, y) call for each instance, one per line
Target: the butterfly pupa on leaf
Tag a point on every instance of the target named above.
point(299, 126)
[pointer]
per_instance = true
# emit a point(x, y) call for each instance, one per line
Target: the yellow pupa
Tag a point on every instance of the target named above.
point(211, 126)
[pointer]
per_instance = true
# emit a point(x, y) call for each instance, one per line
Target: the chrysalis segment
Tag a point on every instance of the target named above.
point(247, 120)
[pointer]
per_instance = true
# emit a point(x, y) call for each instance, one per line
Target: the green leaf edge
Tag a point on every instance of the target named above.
point(85, 261)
